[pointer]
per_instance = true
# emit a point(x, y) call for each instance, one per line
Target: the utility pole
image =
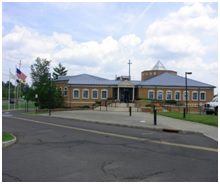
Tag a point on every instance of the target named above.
point(129, 69)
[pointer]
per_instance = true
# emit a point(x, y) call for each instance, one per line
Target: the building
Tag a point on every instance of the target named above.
point(158, 83)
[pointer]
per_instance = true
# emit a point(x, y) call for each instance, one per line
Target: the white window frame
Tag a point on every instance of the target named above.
point(74, 94)
point(195, 92)
point(179, 95)
point(104, 90)
point(83, 94)
point(159, 92)
point(151, 91)
point(95, 90)
point(184, 95)
point(65, 91)
point(201, 94)
point(170, 95)
point(61, 90)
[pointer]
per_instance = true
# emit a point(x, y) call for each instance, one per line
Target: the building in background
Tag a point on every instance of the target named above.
point(158, 83)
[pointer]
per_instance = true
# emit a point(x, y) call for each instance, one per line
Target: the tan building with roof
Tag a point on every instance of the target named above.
point(158, 83)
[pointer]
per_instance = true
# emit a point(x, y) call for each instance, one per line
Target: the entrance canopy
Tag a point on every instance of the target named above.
point(125, 91)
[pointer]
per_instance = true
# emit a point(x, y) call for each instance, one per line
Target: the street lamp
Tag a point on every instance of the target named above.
point(49, 97)
point(186, 94)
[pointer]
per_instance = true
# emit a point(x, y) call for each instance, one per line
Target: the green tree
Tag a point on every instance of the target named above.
point(60, 70)
point(5, 87)
point(48, 93)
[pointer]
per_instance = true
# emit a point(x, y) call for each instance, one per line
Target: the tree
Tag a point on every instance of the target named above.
point(60, 70)
point(48, 94)
point(5, 89)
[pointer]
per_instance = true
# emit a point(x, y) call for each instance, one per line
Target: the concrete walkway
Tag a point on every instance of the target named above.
point(139, 119)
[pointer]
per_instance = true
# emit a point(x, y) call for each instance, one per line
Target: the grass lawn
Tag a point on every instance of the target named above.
point(203, 118)
point(7, 136)
point(22, 106)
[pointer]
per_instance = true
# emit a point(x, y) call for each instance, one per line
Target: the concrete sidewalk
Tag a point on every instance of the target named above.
point(139, 119)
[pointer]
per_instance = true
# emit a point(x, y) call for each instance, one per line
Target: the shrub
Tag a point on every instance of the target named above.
point(171, 102)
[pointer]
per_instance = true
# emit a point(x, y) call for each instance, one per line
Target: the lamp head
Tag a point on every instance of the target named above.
point(188, 73)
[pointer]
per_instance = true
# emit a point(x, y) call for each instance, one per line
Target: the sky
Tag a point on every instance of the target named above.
point(100, 38)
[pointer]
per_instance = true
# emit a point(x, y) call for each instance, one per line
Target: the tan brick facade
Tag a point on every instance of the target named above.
point(208, 94)
point(196, 95)
point(158, 83)
point(151, 73)
point(70, 100)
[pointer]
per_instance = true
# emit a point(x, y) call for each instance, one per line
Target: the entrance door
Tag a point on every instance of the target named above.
point(125, 94)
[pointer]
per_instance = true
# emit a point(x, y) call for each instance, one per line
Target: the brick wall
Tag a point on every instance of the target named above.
point(141, 92)
point(151, 73)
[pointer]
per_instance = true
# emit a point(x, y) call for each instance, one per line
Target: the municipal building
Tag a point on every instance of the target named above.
point(158, 83)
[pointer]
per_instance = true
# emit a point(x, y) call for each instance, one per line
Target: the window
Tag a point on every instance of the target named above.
point(61, 90)
point(94, 94)
point(104, 94)
point(184, 96)
point(160, 95)
point(195, 96)
point(75, 93)
point(168, 95)
point(177, 96)
point(65, 91)
point(151, 94)
point(203, 96)
point(85, 94)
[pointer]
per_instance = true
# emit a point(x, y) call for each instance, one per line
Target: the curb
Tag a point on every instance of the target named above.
point(156, 128)
point(6, 144)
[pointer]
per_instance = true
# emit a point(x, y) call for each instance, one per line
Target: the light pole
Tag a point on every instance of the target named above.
point(49, 97)
point(186, 94)
point(36, 102)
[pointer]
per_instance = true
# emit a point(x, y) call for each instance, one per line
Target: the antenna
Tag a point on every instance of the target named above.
point(129, 69)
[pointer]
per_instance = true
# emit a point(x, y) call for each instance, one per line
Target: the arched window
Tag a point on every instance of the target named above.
point(203, 96)
point(195, 96)
point(184, 96)
point(177, 95)
point(168, 95)
point(76, 93)
point(151, 94)
point(104, 94)
point(65, 91)
point(85, 94)
point(160, 95)
point(94, 94)
point(61, 90)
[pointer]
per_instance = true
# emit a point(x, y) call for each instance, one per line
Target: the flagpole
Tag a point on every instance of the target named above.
point(16, 88)
point(19, 95)
point(9, 90)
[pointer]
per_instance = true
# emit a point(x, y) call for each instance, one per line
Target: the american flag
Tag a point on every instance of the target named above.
point(21, 75)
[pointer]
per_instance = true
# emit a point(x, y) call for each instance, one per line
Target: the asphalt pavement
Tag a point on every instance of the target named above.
point(139, 119)
point(50, 149)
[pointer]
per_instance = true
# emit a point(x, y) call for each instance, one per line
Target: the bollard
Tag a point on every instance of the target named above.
point(184, 112)
point(129, 110)
point(155, 117)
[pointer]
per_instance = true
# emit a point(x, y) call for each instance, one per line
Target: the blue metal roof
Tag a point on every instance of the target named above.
point(164, 80)
point(172, 80)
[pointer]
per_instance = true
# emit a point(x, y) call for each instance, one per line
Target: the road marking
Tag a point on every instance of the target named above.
point(122, 136)
point(7, 114)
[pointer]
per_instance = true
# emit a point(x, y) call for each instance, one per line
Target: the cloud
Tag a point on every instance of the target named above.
point(184, 40)
point(181, 32)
